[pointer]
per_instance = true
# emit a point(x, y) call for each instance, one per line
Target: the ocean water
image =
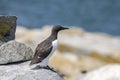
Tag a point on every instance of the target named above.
point(91, 15)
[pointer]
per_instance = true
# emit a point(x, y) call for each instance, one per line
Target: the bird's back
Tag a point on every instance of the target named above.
point(42, 51)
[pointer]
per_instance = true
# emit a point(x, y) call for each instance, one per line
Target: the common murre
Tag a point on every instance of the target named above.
point(45, 49)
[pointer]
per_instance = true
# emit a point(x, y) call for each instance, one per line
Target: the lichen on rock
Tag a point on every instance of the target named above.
point(14, 51)
point(7, 28)
point(4, 27)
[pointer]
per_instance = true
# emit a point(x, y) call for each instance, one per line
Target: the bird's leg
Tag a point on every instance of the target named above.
point(49, 67)
point(52, 69)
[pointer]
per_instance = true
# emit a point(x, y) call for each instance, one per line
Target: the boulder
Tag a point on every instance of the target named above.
point(7, 28)
point(14, 51)
point(109, 72)
point(23, 72)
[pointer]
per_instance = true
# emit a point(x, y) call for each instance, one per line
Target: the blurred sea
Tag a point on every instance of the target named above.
point(92, 15)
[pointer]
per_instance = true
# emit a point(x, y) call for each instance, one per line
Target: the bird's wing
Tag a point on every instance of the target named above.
point(41, 52)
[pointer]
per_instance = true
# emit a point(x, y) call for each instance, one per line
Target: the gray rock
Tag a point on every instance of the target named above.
point(109, 72)
point(23, 72)
point(7, 28)
point(13, 51)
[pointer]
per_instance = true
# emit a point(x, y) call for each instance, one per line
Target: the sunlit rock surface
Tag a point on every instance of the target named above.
point(22, 71)
point(109, 72)
point(14, 51)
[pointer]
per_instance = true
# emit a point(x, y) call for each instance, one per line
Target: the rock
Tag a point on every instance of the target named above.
point(7, 28)
point(73, 66)
point(14, 51)
point(72, 69)
point(23, 72)
point(91, 42)
point(109, 72)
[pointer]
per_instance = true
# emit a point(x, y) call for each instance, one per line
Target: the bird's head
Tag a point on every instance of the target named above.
point(58, 28)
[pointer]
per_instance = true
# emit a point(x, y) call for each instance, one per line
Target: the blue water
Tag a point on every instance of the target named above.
point(92, 15)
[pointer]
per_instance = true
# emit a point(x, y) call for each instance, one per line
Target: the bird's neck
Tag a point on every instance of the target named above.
point(54, 35)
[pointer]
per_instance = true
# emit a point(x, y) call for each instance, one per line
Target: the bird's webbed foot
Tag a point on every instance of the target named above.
point(49, 68)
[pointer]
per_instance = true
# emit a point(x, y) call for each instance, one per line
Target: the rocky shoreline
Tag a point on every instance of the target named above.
point(14, 54)
point(80, 55)
point(78, 50)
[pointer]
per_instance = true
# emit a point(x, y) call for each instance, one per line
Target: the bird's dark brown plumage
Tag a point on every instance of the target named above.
point(44, 48)
point(42, 51)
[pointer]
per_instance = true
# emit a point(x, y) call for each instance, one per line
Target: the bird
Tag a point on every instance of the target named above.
point(46, 48)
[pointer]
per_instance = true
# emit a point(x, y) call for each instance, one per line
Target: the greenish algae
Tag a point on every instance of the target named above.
point(105, 58)
point(4, 27)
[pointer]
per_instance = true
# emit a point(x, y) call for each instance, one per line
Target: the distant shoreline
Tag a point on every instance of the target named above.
point(94, 32)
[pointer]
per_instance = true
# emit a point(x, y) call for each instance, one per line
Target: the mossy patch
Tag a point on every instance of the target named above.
point(105, 58)
point(4, 27)
point(66, 48)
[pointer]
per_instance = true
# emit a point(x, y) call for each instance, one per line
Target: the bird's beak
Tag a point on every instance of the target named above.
point(65, 28)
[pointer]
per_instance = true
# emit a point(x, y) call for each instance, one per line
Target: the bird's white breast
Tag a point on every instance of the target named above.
point(55, 45)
